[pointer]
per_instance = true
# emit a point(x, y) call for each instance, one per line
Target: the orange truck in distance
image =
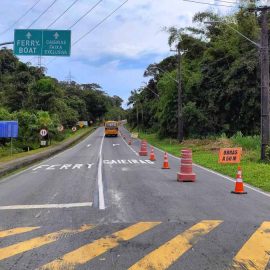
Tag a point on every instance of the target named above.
point(111, 128)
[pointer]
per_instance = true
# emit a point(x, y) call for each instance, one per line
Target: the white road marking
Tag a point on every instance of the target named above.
point(127, 162)
point(178, 158)
point(101, 200)
point(90, 165)
point(232, 180)
point(149, 161)
point(40, 167)
point(63, 166)
point(52, 167)
point(77, 166)
point(88, 145)
point(115, 144)
point(130, 147)
point(46, 206)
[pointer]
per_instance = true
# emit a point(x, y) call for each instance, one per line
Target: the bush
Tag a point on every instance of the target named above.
point(267, 153)
point(247, 142)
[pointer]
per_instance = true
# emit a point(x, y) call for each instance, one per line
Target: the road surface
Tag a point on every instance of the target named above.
point(99, 205)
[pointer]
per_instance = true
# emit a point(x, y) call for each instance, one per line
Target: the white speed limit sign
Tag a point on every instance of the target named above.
point(74, 129)
point(43, 132)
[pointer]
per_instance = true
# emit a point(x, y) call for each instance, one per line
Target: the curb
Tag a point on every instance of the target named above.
point(25, 161)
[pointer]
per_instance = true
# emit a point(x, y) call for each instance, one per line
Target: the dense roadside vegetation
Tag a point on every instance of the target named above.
point(38, 101)
point(220, 81)
point(221, 95)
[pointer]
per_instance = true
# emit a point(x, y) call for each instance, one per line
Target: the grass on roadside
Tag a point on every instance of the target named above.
point(205, 153)
point(68, 136)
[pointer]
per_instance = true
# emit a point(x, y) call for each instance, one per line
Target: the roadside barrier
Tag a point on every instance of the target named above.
point(239, 185)
point(152, 154)
point(143, 151)
point(186, 173)
point(166, 162)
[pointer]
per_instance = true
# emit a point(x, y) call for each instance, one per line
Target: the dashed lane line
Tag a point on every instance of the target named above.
point(46, 206)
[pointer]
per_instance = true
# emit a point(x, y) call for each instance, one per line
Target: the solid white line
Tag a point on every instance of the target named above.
point(162, 151)
point(46, 206)
point(130, 147)
point(101, 200)
point(219, 174)
point(232, 180)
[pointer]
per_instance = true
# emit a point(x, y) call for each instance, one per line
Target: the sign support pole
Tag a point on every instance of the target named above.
point(11, 146)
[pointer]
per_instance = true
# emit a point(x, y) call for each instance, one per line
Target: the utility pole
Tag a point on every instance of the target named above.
point(180, 131)
point(264, 70)
point(264, 57)
point(264, 62)
point(180, 120)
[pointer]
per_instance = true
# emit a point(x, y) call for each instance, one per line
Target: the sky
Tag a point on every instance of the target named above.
point(114, 55)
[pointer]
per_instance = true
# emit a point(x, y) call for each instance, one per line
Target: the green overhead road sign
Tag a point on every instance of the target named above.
point(42, 42)
point(56, 43)
point(28, 42)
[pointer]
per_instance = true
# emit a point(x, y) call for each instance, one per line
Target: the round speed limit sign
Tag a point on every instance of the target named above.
point(43, 132)
point(74, 129)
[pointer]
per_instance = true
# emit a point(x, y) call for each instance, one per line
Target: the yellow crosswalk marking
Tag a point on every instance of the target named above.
point(164, 256)
point(15, 231)
point(27, 245)
point(89, 251)
point(255, 253)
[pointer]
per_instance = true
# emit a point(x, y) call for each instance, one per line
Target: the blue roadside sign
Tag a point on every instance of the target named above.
point(9, 129)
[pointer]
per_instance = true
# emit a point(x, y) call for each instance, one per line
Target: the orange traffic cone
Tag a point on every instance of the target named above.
point(166, 162)
point(124, 137)
point(239, 186)
point(152, 154)
point(129, 142)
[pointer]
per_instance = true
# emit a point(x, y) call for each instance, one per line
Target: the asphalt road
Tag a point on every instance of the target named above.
point(99, 205)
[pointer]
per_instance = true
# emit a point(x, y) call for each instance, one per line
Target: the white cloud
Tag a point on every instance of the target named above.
point(134, 32)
